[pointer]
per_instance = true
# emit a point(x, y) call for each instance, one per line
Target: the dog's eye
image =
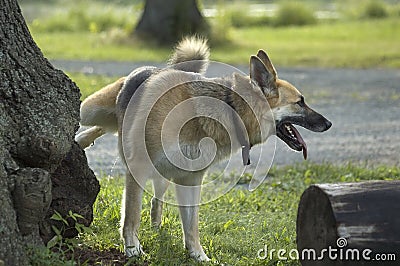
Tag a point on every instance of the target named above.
point(301, 102)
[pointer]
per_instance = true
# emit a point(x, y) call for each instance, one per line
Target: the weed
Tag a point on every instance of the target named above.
point(58, 242)
point(367, 9)
point(240, 16)
point(59, 251)
point(294, 14)
point(375, 9)
point(85, 18)
point(220, 27)
point(42, 256)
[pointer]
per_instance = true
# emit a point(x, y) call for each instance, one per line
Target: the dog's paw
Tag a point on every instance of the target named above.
point(199, 256)
point(134, 251)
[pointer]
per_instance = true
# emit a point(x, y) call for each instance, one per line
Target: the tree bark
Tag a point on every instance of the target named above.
point(350, 216)
point(167, 21)
point(39, 115)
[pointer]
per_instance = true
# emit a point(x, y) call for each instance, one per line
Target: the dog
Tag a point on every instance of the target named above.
point(137, 107)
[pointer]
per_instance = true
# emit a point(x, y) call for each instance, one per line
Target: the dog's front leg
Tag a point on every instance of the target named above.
point(130, 218)
point(188, 197)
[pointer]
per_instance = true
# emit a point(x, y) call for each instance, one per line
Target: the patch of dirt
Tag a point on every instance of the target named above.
point(106, 257)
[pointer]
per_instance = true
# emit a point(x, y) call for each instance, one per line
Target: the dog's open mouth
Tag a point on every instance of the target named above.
point(289, 134)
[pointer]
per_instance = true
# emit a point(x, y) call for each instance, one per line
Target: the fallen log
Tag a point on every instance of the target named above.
point(350, 224)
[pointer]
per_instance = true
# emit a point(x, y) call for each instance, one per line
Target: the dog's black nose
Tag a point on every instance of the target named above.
point(328, 124)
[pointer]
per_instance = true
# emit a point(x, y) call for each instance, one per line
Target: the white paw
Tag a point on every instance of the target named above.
point(199, 255)
point(132, 251)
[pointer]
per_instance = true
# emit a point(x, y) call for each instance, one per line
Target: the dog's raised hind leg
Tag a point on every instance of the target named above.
point(188, 197)
point(130, 218)
point(87, 137)
point(160, 186)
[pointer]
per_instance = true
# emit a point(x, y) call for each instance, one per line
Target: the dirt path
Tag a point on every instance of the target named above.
point(363, 105)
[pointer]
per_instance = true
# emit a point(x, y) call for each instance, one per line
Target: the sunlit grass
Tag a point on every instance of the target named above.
point(234, 227)
point(96, 46)
point(88, 84)
point(359, 44)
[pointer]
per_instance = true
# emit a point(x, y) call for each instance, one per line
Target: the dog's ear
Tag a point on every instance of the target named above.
point(262, 76)
point(267, 62)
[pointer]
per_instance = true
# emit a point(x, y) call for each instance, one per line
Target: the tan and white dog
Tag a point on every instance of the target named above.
point(162, 90)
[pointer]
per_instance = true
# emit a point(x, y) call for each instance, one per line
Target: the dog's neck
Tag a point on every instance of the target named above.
point(241, 133)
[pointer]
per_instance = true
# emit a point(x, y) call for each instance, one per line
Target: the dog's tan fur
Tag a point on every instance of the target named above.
point(177, 84)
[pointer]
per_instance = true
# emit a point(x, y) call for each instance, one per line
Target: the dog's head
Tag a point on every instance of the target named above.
point(287, 104)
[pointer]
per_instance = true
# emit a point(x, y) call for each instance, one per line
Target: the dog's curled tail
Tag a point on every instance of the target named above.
point(191, 54)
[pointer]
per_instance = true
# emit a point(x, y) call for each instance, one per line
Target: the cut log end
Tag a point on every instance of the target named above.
point(348, 216)
point(315, 220)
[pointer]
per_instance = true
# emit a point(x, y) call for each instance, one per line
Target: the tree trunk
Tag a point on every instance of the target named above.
point(351, 218)
point(166, 21)
point(39, 115)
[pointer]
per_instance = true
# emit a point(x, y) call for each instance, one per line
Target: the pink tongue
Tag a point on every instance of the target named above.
point(304, 151)
point(301, 141)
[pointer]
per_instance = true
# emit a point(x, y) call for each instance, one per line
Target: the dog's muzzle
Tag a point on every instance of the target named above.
point(291, 136)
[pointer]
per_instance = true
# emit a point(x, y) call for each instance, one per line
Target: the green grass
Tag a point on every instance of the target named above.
point(88, 84)
point(357, 43)
point(294, 13)
point(234, 227)
point(96, 46)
